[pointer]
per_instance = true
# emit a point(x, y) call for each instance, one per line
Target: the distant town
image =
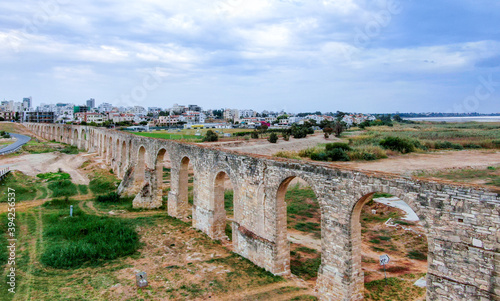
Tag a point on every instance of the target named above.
point(185, 116)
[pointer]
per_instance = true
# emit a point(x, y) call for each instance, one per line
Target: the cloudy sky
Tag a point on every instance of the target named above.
point(297, 55)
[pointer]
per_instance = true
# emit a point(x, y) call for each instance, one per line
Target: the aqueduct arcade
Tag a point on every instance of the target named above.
point(462, 223)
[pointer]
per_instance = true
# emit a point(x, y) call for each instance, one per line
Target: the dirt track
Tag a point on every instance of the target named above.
point(34, 164)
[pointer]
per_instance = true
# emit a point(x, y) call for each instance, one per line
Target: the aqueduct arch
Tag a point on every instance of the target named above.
point(462, 221)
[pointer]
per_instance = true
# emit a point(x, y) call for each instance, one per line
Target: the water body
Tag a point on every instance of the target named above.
point(458, 119)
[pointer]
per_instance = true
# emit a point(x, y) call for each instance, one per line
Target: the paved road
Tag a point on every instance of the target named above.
point(21, 140)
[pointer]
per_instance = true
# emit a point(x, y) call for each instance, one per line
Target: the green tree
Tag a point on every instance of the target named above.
point(211, 136)
point(273, 138)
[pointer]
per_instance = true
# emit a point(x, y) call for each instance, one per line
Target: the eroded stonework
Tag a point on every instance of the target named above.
point(462, 222)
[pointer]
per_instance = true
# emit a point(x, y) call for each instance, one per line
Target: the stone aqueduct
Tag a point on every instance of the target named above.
point(461, 222)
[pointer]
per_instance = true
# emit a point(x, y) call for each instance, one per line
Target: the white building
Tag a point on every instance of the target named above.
point(105, 107)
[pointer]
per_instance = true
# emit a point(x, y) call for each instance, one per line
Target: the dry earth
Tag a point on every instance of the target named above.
point(405, 164)
point(263, 147)
point(33, 164)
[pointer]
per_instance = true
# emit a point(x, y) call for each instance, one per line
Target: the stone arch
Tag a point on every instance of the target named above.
point(357, 275)
point(124, 160)
point(218, 202)
point(162, 157)
point(282, 262)
point(109, 143)
point(140, 172)
point(183, 183)
point(75, 138)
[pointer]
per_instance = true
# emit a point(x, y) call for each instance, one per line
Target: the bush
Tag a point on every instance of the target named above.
point(322, 156)
point(254, 135)
point(70, 150)
point(472, 145)
point(86, 239)
point(112, 197)
point(447, 145)
point(273, 138)
point(307, 153)
point(343, 146)
point(401, 145)
point(211, 136)
point(337, 154)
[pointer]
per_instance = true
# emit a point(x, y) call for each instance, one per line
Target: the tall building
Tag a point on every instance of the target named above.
point(80, 109)
point(91, 103)
point(27, 102)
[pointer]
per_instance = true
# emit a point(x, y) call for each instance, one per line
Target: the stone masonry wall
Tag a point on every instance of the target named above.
point(462, 222)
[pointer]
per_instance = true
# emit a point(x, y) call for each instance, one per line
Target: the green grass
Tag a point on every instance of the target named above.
point(191, 138)
point(228, 201)
point(307, 269)
point(54, 176)
point(392, 289)
point(489, 175)
point(85, 240)
point(59, 203)
point(83, 189)
point(296, 196)
point(103, 184)
point(63, 188)
point(25, 187)
point(3, 238)
point(425, 135)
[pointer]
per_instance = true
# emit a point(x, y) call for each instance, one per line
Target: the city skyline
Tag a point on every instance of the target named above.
point(297, 56)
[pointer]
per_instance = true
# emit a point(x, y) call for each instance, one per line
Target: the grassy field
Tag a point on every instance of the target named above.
point(379, 142)
point(187, 134)
point(489, 176)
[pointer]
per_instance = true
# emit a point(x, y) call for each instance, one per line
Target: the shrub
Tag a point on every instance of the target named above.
point(287, 155)
point(254, 135)
point(70, 150)
point(447, 145)
point(211, 136)
point(273, 138)
point(112, 197)
point(307, 153)
point(343, 146)
point(337, 154)
point(401, 145)
point(322, 156)
point(472, 145)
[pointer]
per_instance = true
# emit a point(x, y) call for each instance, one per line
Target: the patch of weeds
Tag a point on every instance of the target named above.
point(102, 184)
point(54, 176)
point(85, 240)
point(417, 255)
point(84, 189)
point(62, 188)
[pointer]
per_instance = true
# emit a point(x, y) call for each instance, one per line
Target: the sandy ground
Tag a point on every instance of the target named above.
point(33, 164)
point(412, 163)
point(263, 147)
point(405, 164)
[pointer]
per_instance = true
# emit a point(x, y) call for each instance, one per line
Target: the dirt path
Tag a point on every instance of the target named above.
point(263, 147)
point(34, 164)
point(304, 239)
point(411, 163)
point(24, 206)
